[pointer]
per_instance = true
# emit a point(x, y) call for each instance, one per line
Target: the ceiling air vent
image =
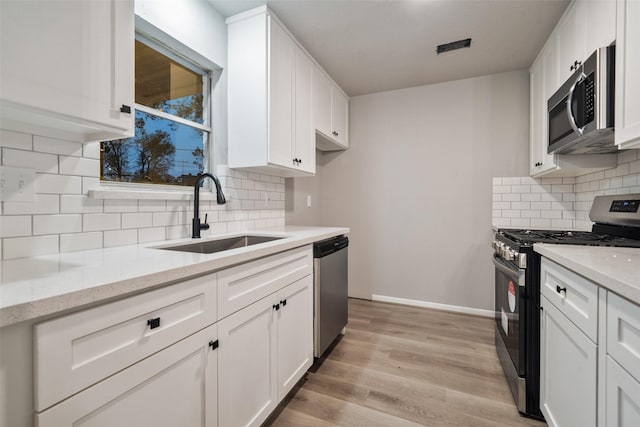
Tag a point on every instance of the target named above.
point(453, 46)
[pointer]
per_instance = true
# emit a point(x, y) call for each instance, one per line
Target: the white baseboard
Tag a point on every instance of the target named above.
point(434, 305)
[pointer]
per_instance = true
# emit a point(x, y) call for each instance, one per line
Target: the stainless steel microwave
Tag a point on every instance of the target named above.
point(581, 111)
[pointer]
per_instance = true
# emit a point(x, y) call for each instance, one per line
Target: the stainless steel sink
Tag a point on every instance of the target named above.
point(213, 246)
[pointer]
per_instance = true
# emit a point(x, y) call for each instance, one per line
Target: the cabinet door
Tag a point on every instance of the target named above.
point(305, 149)
point(280, 95)
point(175, 387)
point(623, 397)
point(340, 117)
point(247, 381)
point(570, 39)
point(543, 83)
point(67, 67)
point(567, 371)
point(295, 333)
point(321, 103)
point(600, 24)
point(627, 118)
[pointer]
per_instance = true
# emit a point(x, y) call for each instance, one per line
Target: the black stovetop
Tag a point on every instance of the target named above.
point(588, 238)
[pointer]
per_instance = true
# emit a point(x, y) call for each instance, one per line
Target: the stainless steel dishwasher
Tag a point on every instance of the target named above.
point(330, 291)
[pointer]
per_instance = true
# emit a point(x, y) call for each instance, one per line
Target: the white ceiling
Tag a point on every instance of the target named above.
point(370, 46)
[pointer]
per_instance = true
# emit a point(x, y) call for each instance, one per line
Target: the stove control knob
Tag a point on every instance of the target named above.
point(511, 255)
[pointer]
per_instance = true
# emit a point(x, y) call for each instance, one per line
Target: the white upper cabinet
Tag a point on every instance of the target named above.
point(269, 97)
point(330, 114)
point(570, 40)
point(627, 120)
point(586, 26)
point(67, 68)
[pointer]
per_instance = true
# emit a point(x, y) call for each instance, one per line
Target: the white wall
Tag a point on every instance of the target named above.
point(416, 182)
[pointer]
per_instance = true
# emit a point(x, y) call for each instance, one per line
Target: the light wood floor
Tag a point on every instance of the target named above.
point(407, 366)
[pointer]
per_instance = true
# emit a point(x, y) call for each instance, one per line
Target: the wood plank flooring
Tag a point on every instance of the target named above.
point(407, 366)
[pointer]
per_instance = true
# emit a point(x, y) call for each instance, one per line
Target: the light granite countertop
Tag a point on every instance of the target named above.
point(49, 284)
point(617, 269)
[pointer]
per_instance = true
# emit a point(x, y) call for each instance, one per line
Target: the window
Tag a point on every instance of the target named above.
point(172, 130)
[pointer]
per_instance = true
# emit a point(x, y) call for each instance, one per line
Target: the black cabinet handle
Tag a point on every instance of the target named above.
point(153, 323)
point(213, 344)
point(276, 307)
point(283, 302)
point(125, 109)
point(559, 289)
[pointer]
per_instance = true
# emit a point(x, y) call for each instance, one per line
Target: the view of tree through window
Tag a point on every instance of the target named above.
point(171, 130)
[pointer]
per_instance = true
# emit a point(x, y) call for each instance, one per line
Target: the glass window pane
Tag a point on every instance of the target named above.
point(164, 84)
point(161, 152)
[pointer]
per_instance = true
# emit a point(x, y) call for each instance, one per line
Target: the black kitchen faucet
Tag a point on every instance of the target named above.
point(197, 225)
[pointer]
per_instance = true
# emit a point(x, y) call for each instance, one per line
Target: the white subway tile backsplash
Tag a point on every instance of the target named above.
point(63, 218)
point(80, 241)
point(20, 247)
point(56, 146)
point(15, 225)
point(520, 205)
point(100, 222)
point(511, 197)
point(41, 162)
point(57, 224)
point(44, 204)
point(58, 184)
point(79, 166)
point(120, 238)
point(137, 220)
point(91, 150)
point(120, 205)
point(153, 234)
point(21, 141)
point(80, 204)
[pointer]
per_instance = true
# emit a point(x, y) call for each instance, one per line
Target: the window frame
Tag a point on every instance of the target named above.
point(172, 51)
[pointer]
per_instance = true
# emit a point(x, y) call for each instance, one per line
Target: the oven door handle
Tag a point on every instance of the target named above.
point(517, 274)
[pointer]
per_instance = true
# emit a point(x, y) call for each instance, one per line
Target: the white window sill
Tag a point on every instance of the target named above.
point(133, 194)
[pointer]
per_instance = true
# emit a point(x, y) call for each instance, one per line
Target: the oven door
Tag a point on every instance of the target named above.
point(510, 311)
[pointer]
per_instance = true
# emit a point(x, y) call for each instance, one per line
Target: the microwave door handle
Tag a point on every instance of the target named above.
point(572, 120)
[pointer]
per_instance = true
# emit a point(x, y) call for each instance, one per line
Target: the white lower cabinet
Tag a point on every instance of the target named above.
point(295, 333)
point(623, 397)
point(174, 387)
point(568, 363)
point(265, 349)
point(588, 376)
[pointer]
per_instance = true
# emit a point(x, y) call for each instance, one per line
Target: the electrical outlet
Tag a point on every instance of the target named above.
point(309, 201)
point(17, 184)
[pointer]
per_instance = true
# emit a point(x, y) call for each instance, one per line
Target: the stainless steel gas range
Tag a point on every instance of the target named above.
point(517, 288)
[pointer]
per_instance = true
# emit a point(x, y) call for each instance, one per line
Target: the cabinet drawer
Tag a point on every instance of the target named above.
point(575, 296)
point(242, 285)
point(623, 333)
point(174, 387)
point(78, 350)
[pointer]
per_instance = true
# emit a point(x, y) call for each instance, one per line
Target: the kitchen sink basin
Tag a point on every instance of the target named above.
point(219, 245)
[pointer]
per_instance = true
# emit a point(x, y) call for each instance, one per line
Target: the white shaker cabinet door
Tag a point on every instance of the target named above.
point(340, 117)
point(627, 117)
point(623, 397)
point(67, 68)
point(304, 149)
point(295, 333)
point(567, 371)
point(247, 363)
point(281, 68)
point(175, 387)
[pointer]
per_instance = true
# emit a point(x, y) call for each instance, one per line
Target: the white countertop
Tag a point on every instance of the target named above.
point(48, 284)
point(617, 269)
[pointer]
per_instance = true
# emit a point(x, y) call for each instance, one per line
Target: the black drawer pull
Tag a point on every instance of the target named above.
point(283, 302)
point(153, 323)
point(559, 289)
point(125, 109)
point(213, 344)
point(276, 307)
